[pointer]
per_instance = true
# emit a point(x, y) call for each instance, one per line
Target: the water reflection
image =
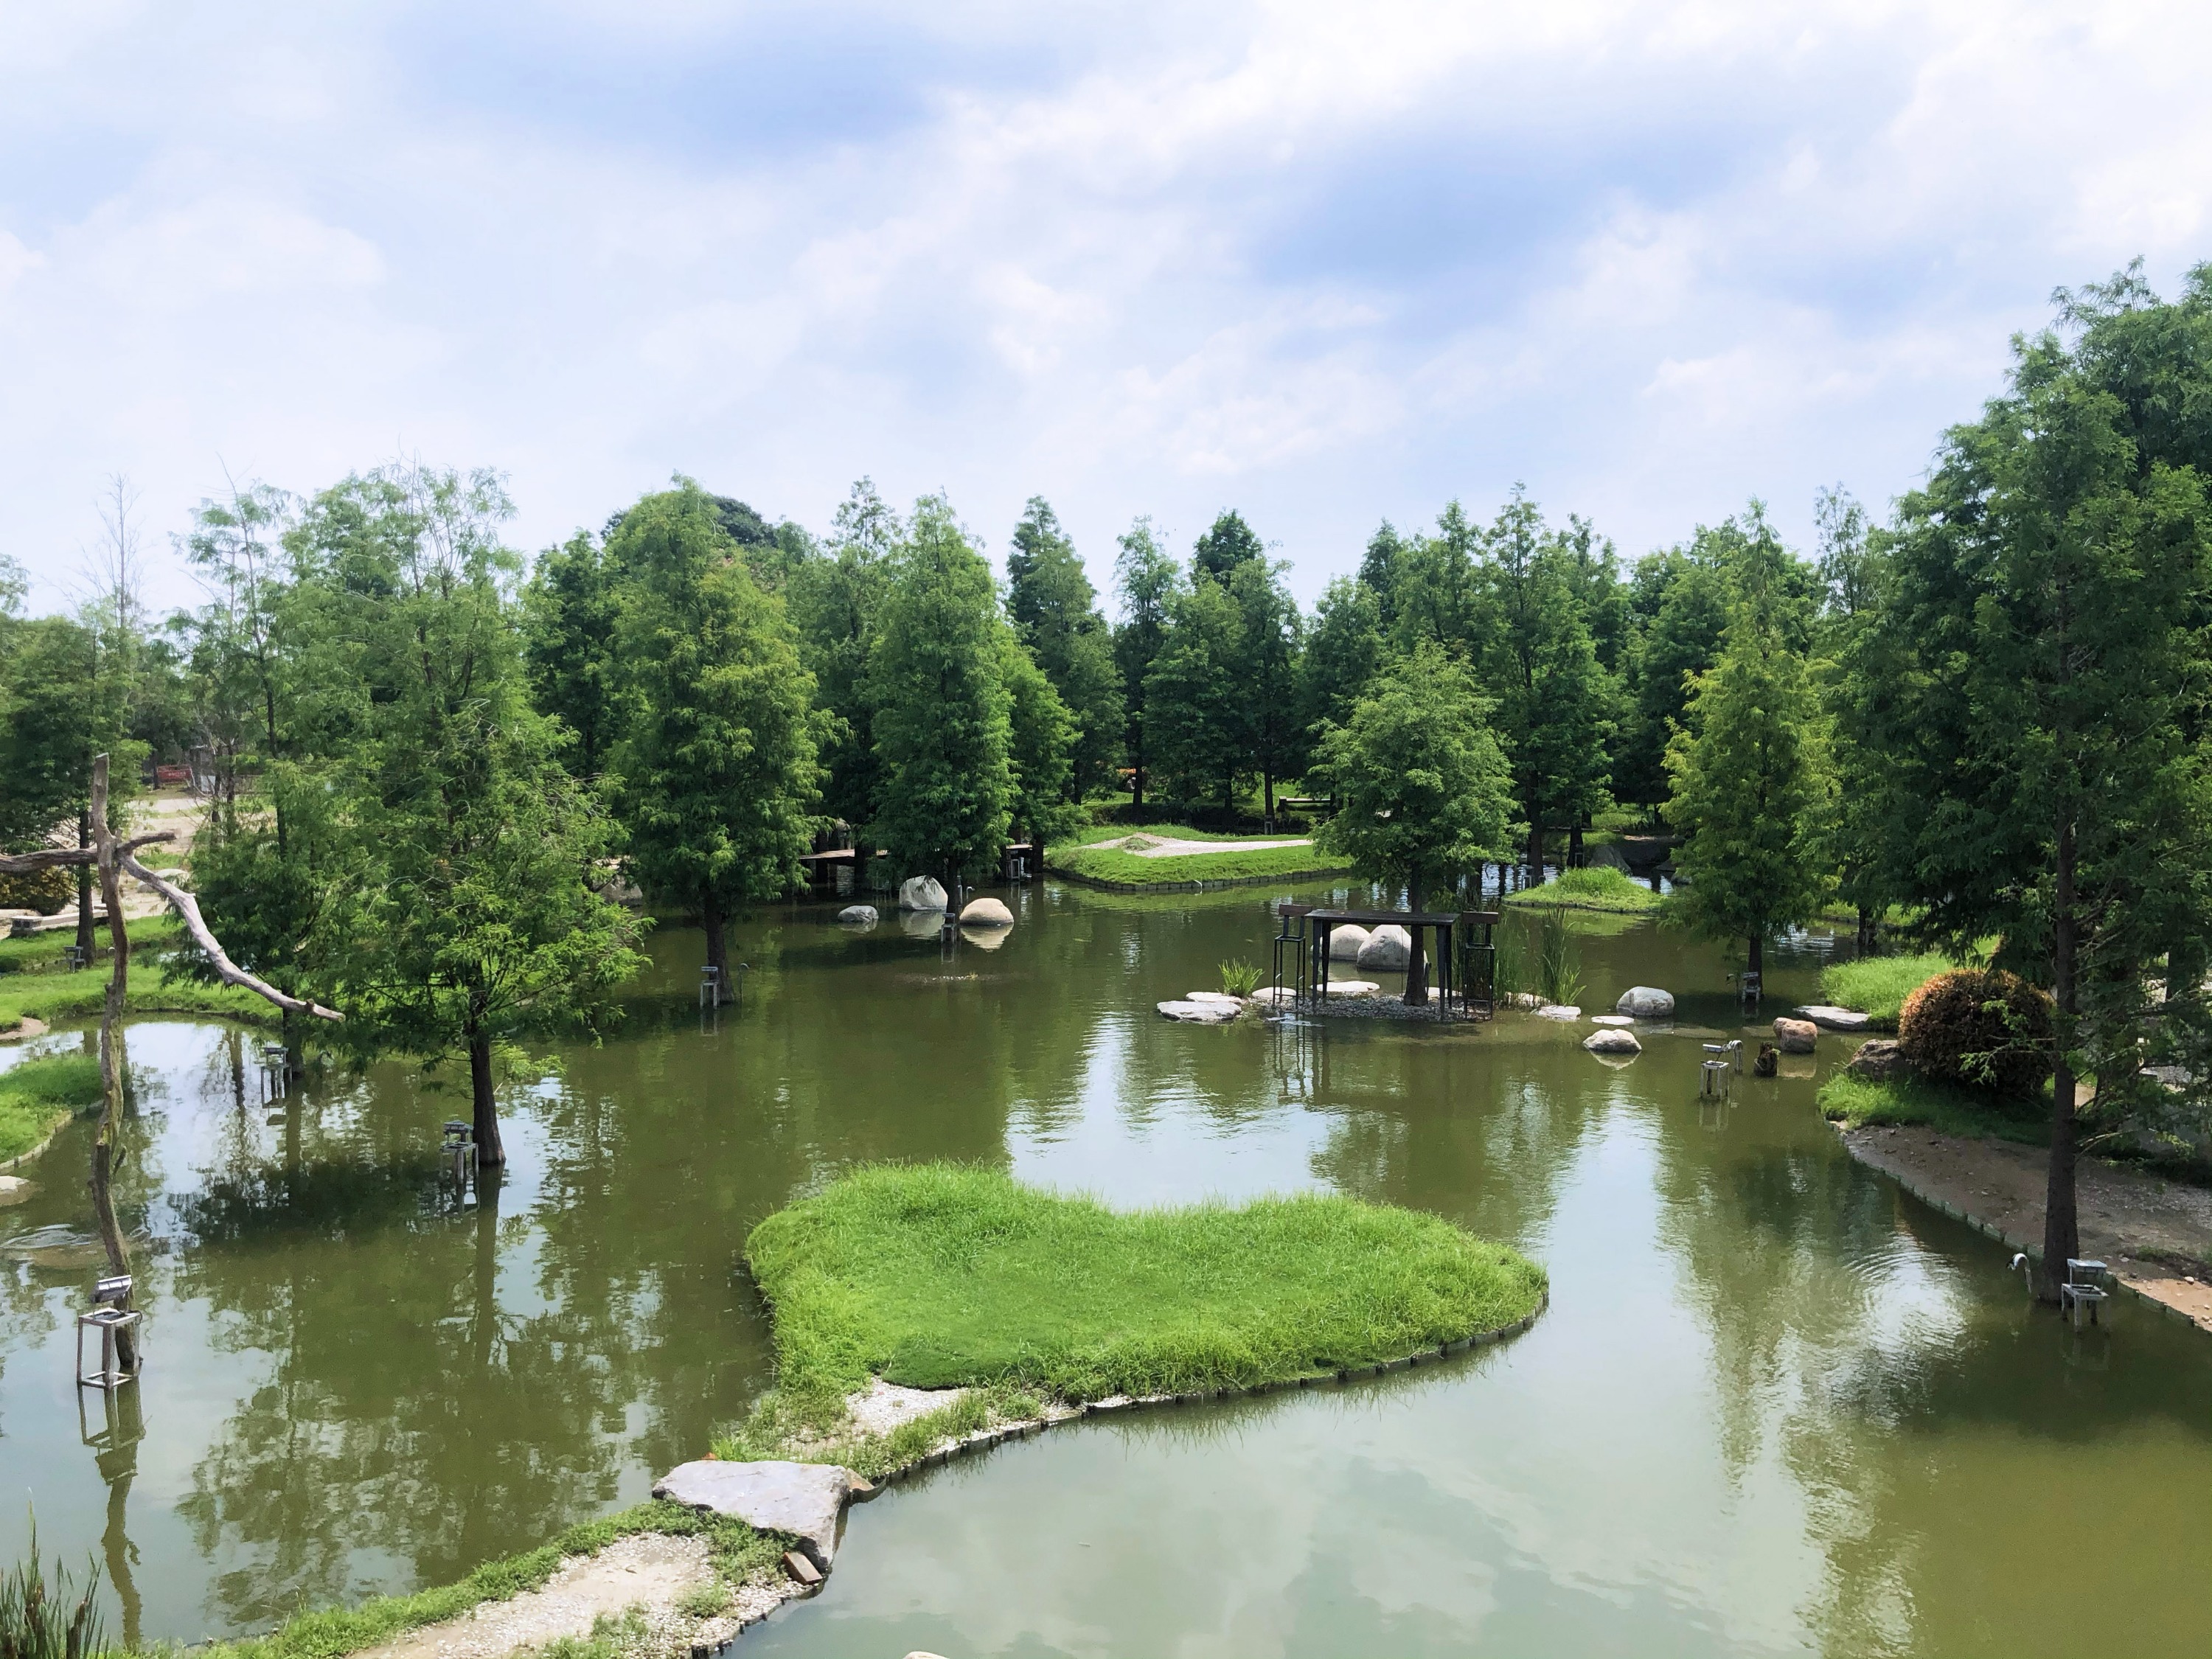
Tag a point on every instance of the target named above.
point(1775, 1404)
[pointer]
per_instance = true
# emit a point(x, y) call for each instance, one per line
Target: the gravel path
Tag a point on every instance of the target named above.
point(1158, 847)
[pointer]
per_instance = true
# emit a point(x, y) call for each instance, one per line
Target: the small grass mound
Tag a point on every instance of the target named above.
point(1878, 985)
point(37, 1094)
point(1248, 863)
point(940, 1275)
point(1947, 1108)
point(1597, 887)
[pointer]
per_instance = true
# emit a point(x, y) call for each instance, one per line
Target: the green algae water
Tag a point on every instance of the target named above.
point(1777, 1405)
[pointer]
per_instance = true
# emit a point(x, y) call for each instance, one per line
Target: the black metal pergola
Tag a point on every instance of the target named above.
point(1466, 956)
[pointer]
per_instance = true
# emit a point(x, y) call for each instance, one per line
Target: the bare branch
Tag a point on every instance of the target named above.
point(188, 909)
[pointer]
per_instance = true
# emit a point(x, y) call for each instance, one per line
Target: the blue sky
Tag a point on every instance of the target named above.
point(1324, 264)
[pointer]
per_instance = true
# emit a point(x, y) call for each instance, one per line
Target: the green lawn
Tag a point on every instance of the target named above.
point(1114, 864)
point(37, 1095)
point(939, 1275)
point(53, 997)
point(1856, 1101)
point(1598, 887)
point(1877, 986)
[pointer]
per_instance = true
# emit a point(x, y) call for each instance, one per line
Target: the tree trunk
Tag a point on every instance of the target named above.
point(2061, 1233)
point(94, 826)
point(1267, 781)
point(1575, 844)
point(1866, 931)
point(84, 889)
point(490, 1154)
point(1417, 965)
point(718, 950)
point(1755, 960)
point(1536, 848)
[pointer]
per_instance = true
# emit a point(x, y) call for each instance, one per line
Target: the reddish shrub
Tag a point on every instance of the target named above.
point(1988, 1030)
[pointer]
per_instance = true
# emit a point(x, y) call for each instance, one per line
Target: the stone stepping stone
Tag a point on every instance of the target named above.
point(1354, 988)
point(803, 1499)
point(1558, 1010)
point(1611, 1019)
point(1836, 1020)
point(1613, 1041)
point(1199, 1013)
point(1213, 996)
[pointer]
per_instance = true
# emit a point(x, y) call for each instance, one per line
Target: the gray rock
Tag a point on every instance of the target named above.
point(1611, 1019)
point(1344, 943)
point(1389, 950)
point(1221, 997)
point(987, 913)
point(804, 1500)
point(860, 915)
point(922, 893)
point(1275, 996)
point(1878, 1059)
point(1795, 1037)
point(1646, 1002)
point(1613, 1041)
point(1835, 1019)
point(1559, 1010)
point(1200, 1013)
point(1352, 987)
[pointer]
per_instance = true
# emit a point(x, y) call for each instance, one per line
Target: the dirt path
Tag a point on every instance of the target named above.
point(2155, 1234)
point(648, 1572)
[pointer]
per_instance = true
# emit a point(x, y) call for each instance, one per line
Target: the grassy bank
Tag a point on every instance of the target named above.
point(1257, 863)
point(738, 1553)
point(55, 997)
point(940, 1275)
point(1858, 1102)
point(1597, 887)
point(38, 1096)
point(1878, 985)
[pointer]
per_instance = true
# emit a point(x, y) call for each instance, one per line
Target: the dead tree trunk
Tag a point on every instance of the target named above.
point(111, 1059)
point(2062, 1232)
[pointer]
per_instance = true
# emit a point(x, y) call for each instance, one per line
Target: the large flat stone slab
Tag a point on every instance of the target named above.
point(804, 1500)
point(1199, 1014)
point(1836, 1020)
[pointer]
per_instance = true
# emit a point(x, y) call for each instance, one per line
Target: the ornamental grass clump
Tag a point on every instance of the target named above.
point(1981, 1027)
point(42, 1620)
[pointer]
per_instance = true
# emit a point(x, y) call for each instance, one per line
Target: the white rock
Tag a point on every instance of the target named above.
point(859, 915)
point(1611, 1019)
point(922, 893)
point(1199, 1013)
point(1275, 996)
point(1559, 1010)
point(1389, 948)
point(1354, 988)
point(1345, 943)
point(1613, 1041)
point(805, 1499)
point(987, 913)
point(1836, 1020)
point(1645, 1002)
point(1213, 996)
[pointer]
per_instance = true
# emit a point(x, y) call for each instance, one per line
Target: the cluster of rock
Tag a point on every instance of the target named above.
point(923, 895)
point(1387, 950)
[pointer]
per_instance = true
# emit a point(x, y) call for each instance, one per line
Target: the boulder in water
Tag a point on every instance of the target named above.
point(1645, 1002)
point(859, 915)
point(922, 893)
point(1795, 1036)
point(987, 913)
point(1389, 950)
point(1613, 1041)
point(1345, 943)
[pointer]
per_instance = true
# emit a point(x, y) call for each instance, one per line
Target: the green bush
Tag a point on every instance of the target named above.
point(48, 891)
point(1979, 1027)
point(1240, 978)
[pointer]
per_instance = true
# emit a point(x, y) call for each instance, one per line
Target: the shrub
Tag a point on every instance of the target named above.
point(1559, 961)
point(48, 891)
point(40, 1619)
point(1980, 1027)
point(1240, 978)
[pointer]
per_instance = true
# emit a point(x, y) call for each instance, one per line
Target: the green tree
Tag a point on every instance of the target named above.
point(833, 602)
point(1343, 651)
point(1055, 614)
point(1752, 788)
point(1438, 596)
point(468, 916)
point(1227, 542)
point(1270, 642)
point(1042, 742)
point(716, 774)
point(945, 779)
point(2044, 658)
point(1380, 568)
point(1195, 708)
point(1148, 580)
point(569, 638)
point(1552, 701)
point(1422, 789)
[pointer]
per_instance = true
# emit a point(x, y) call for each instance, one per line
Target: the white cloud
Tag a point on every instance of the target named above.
point(1324, 263)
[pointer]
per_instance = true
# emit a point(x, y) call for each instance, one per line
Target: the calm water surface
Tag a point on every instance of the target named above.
point(1777, 1405)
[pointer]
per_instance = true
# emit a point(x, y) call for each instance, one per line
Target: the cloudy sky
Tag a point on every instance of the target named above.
point(1324, 263)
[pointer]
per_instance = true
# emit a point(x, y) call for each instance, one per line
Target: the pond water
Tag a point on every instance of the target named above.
point(1777, 1405)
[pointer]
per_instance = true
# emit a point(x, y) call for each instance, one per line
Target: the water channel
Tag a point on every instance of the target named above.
point(1777, 1405)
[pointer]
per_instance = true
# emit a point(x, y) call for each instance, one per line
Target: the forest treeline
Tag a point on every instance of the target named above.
point(1983, 719)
